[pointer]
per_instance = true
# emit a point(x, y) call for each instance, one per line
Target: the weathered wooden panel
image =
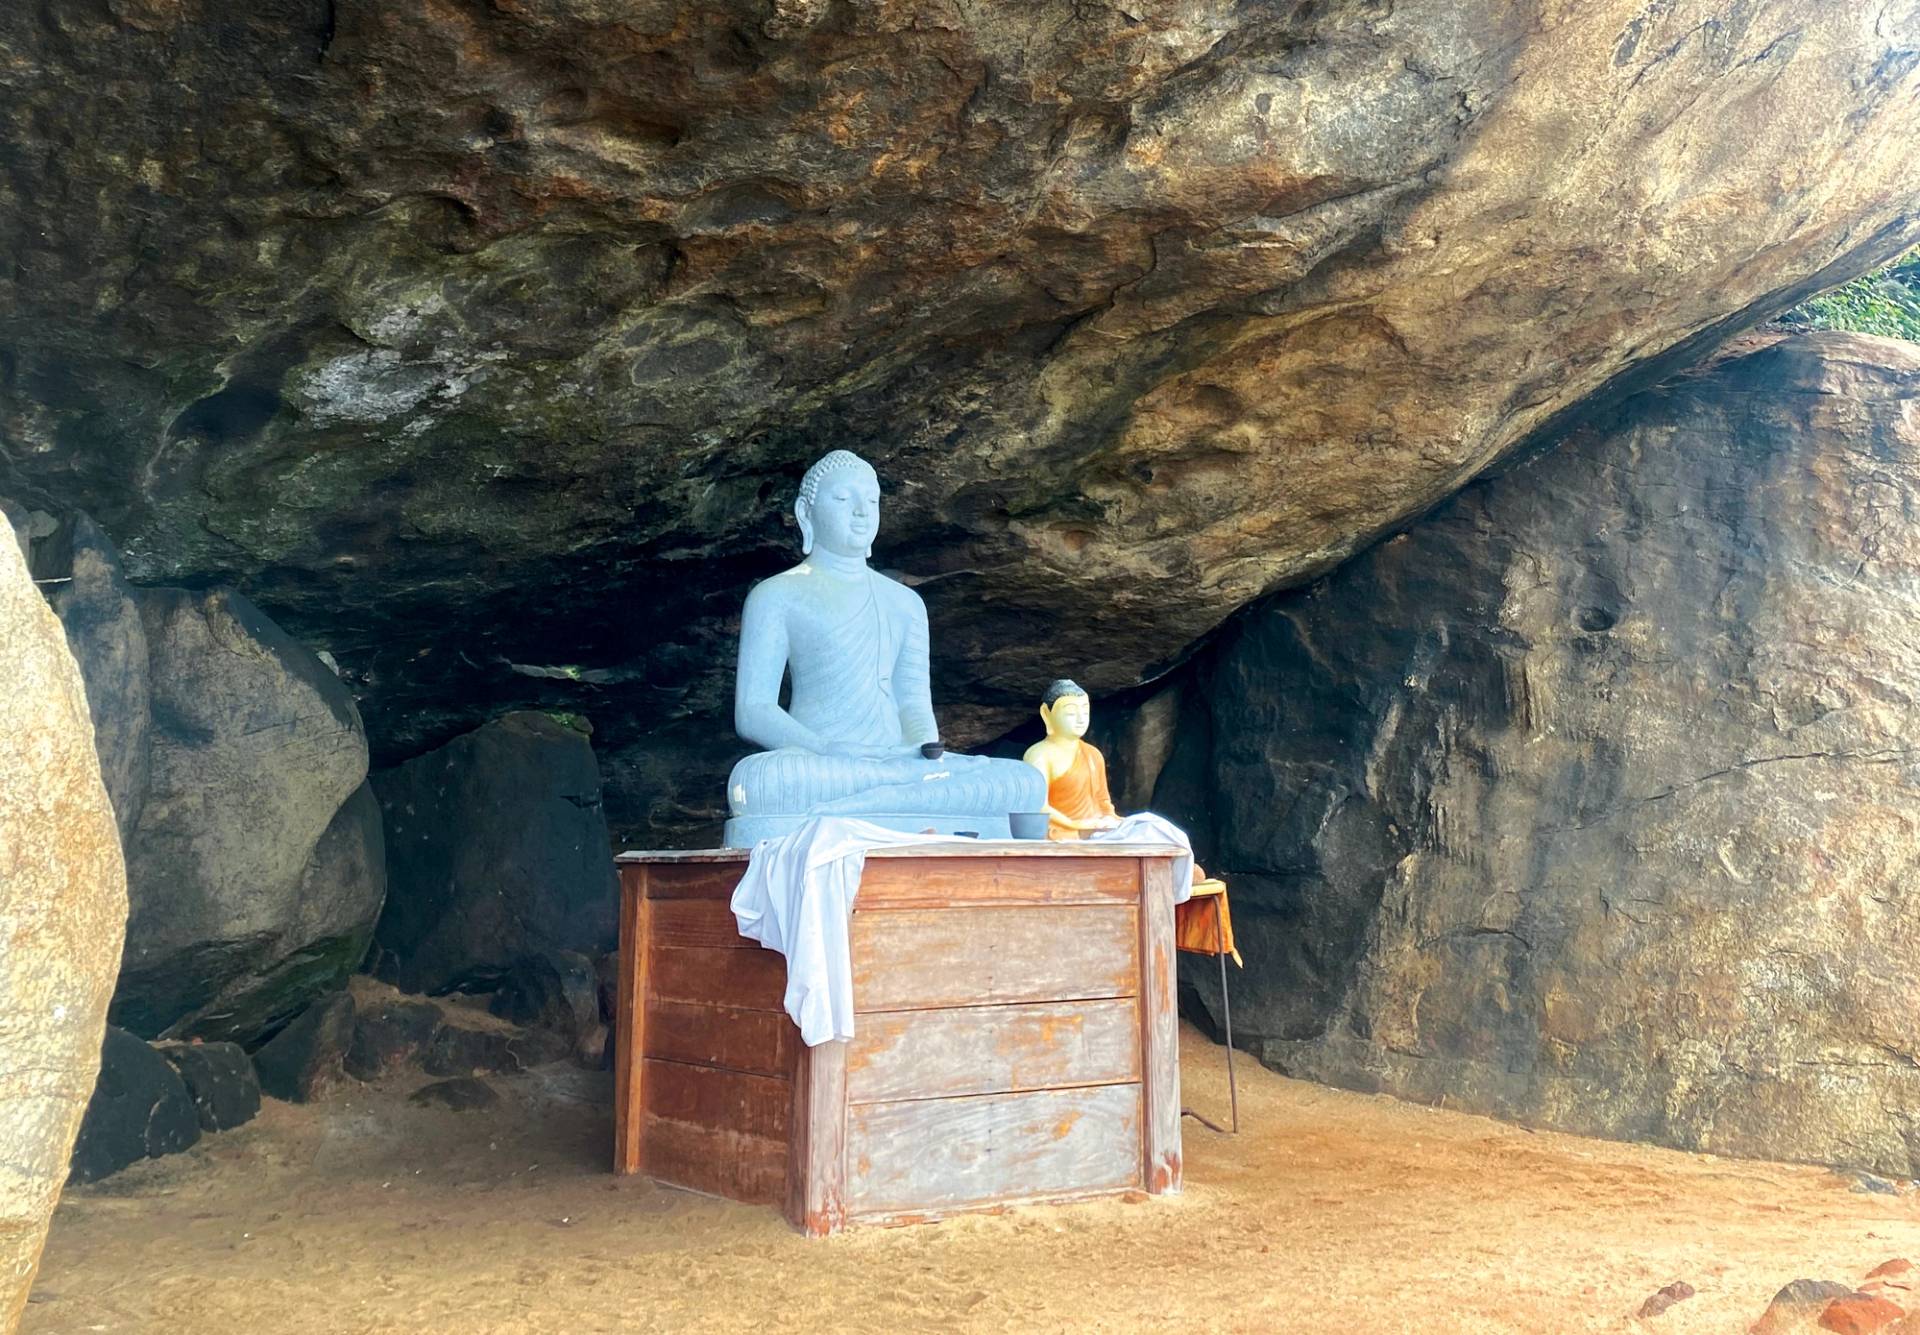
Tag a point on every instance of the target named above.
point(697, 922)
point(695, 880)
point(1159, 1028)
point(761, 1041)
point(996, 880)
point(628, 1020)
point(942, 1154)
point(925, 958)
point(716, 1160)
point(748, 979)
point(993, 1049)
point(817, 1152)
point(753, 1105)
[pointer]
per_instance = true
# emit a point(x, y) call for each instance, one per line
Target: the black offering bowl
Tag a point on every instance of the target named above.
point(933, 750)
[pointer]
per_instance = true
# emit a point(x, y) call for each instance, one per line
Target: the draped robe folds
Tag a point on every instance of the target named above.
point(1080, 793)
point(854, 654)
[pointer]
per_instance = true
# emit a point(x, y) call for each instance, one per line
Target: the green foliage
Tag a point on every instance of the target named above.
point(1885, 303)
point(578, 722)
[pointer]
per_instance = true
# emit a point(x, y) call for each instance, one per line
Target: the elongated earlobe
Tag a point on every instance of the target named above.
point(804, 513)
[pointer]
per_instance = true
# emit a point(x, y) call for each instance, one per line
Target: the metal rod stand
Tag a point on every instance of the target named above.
point(1226, 1019)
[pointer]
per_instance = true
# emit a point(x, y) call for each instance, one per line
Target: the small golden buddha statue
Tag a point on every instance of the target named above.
point(1078, 802)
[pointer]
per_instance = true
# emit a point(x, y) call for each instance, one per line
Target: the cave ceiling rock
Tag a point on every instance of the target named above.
point(462, 335)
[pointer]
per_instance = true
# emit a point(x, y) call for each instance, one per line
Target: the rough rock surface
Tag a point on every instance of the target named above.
point(140, 1109)
point(463, 1093)
point(560, 993)
point(497, 848)
point(483, 342)
point(63, 905)
point(1593, 800)
point(254, 879)
point(389, 1035)
point(308, 1057)
point(220, 1080)
point(108, 639)
point(462, 1048)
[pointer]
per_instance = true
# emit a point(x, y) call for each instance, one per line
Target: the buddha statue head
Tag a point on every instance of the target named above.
point(838, 507)
point(1066, 710)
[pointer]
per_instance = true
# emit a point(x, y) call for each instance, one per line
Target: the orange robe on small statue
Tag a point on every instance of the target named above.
point(1080, 793)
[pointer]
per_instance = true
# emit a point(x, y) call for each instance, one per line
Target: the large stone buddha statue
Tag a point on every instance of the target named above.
point(854, 643)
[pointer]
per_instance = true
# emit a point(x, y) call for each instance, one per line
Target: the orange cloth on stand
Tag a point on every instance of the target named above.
point(1080, 793)
point(1196, 929)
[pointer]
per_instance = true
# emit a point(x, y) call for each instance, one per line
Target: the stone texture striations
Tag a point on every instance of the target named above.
point(220, 1080)
point(497, 850)
point(483, 343)
point(141, 1109)
point(1593, 800)
point(98, 608)
point(63, 907)
point(256, 867)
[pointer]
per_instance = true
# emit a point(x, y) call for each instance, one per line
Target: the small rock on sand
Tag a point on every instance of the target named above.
point(463, 1093)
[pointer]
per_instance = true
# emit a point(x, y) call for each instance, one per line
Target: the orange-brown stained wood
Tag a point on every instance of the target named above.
point(694, 880)
point(1003, 987)
point(817, 1152)
point(893, 883)
point(697, 922)
point(717, 1160)
point(628, 1023)
point(993, 1049)
point(764, 1042)
point(932, 1155)
point(929, 958)
point(754, 1105)
point(747, 979)
point(1159, 1029)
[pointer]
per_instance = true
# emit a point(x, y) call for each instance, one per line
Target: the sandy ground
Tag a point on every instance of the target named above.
point(1333, 1212)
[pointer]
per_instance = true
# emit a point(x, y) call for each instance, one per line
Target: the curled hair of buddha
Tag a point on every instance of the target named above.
point(1060, 690)
point(835, 461)
point(825, 466)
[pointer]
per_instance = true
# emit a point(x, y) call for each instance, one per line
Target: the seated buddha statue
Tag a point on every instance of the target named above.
point(1078, 802)
point(853, 738)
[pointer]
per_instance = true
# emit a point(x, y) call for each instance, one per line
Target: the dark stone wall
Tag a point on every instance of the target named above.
point(1593, 799)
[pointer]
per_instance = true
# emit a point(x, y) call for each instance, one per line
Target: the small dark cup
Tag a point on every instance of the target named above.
point(933, 750)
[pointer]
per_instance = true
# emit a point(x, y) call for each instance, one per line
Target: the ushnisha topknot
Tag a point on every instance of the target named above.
point(1060, 690)
point(825, 466)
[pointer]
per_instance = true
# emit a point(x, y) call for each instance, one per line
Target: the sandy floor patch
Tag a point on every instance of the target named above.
point(1333, 1211)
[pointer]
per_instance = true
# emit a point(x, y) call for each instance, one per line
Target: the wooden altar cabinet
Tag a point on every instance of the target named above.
point(1015, 1036)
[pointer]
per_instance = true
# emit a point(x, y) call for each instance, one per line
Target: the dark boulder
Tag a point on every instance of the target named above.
point(559, 992)
point(220, 1079)
point(140, 1110)
point(253, 878)
point(1591, 800)
point(497, 849)
point(463, 1093)
point(308, 1057)
point(391, 1036)
point(463, 1049)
